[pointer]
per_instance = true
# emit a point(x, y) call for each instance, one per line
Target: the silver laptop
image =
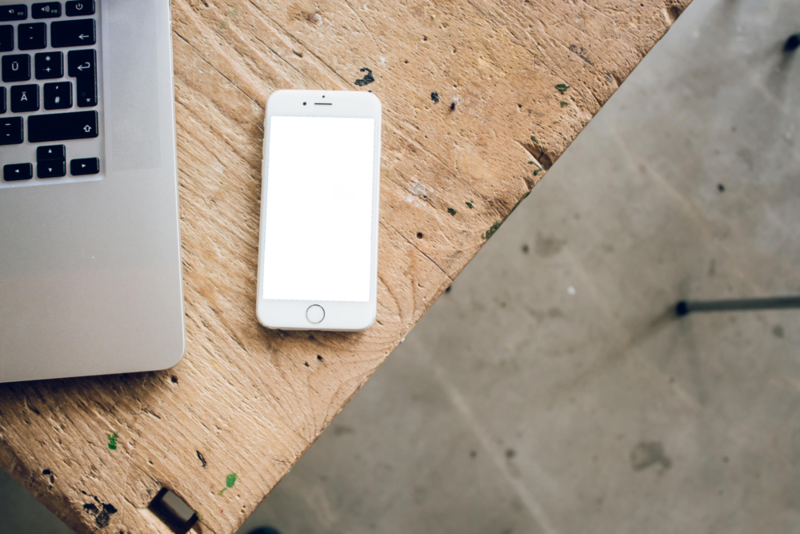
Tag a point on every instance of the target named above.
point(90, 268)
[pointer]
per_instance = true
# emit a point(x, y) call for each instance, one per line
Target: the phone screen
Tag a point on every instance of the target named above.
point(318, 231)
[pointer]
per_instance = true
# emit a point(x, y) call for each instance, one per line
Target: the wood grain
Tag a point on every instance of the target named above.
point(250, 401)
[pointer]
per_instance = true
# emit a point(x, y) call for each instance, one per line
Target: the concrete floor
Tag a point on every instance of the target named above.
point(551, 391)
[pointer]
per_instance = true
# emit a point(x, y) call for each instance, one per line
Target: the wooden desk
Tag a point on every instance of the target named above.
point(481, 97)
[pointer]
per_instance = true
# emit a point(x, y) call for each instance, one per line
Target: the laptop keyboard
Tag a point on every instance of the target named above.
point(49, 97)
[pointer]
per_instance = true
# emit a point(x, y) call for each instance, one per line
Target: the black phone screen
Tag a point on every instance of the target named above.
point(319, 226)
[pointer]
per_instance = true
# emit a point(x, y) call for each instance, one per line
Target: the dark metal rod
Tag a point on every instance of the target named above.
point(792, 44)
point(777, 303)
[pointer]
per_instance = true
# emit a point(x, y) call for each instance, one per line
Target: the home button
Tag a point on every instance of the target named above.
point(315, 314)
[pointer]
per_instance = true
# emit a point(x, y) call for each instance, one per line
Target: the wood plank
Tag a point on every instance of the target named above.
point(250, 401)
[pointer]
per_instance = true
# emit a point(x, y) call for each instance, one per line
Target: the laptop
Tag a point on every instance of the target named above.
point(90, 267)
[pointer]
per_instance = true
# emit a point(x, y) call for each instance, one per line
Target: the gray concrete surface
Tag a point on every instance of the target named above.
point(551, 391)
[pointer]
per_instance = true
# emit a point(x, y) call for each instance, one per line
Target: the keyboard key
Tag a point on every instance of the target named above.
point(80, 8)
point(47, 10)
point(6, 38)
point(15, 173)
point(62, 126)
point(32, 36)
point(2, 99)
point(58, 95)
point(17, 68)
point(24, 98)
point(51, 169)
point(49, 65)
point(11, 131)
point(17, 12)
point(51, 152)
point(84, 167)
point(64, 34)
point(83, 67)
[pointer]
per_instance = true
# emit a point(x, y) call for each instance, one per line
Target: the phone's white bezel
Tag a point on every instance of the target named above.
point(291, 314)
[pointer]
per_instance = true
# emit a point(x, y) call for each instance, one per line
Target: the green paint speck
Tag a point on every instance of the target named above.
point(230, 480)
point(490, 232)
point(563, 88)
point(469, 205)
point(533, 138)
point(564, 103)
point(496, 226)
point(451, 211)
point(536, 172)
point(233, 12)
point(112, 441)
point(199, 517)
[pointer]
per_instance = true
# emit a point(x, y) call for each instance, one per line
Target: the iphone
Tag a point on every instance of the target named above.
point(318, 243)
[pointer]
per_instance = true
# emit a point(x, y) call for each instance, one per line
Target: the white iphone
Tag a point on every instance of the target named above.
point(318, 244)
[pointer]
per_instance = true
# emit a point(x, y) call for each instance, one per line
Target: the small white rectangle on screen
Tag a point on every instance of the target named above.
point(354, 230)
point(318, 214)
point(345, 191)
point(288, 196)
